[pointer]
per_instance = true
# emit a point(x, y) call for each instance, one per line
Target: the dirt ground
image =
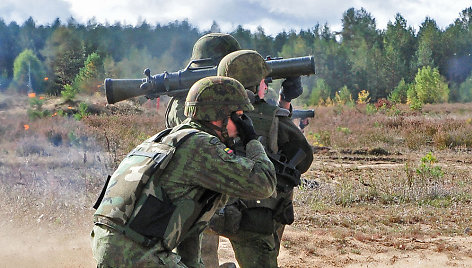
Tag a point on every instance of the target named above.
point(41, 245)
point(46, 216)
point(31, 239)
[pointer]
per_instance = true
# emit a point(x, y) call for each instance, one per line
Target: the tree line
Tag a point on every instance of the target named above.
point(397, 63)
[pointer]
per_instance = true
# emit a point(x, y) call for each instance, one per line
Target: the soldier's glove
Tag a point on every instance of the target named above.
point(291, 88)
point(245, 127)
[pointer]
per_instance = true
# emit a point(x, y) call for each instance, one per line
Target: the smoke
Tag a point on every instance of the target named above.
point(47, 174)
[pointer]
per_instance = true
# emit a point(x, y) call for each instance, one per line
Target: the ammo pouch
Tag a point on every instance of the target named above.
point(260, 215)
point(257, 220)
point(133, 203)
point(153, 217)
point(284, 213)
point(226, 221)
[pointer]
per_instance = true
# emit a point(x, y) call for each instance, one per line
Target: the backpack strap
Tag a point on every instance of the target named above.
point(102, 193)
point(173, 139)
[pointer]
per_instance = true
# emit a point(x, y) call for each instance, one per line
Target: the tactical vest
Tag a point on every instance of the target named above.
point(135, 205)
point(265, 118)
point(266, 123)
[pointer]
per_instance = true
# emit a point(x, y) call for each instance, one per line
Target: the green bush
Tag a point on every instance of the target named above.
point(68, 93)
point(344, 130)
point(427, 170)
point(465, 90)
point(27, 67)
point(412, 99)
point(82, 112)
point(370, 109)
point(399, 94)
point(430, 86)
point(36, 109)
point(344, 96)
point(320, 92)
point(89, 76)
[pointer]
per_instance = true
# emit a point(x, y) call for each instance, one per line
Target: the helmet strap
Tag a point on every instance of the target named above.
point(223, 130)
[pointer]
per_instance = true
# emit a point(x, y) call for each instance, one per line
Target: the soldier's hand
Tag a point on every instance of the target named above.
point(245, 127)
point(291, 88)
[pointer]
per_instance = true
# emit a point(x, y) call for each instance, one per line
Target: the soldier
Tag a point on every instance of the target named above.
point(207, 51)
point(165, 191)
point(205, 47)
point(256, 241)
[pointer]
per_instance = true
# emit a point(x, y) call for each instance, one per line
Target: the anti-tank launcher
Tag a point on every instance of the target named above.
point(152, 86)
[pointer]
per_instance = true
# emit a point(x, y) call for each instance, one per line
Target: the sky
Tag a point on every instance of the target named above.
point(273, 16)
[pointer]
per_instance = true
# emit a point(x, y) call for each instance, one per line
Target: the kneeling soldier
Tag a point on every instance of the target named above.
point(166, 190)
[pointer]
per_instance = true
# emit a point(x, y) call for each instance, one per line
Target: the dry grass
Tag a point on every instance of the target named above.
point(119, 134)
point(371, 184)
point(53, 171)
point(420, 187)
point(445, 126)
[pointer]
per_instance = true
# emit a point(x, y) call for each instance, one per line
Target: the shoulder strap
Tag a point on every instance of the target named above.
point(178, 137)
point(266, 124)
point(282, 112)
point(102, 193)
point(161, 134)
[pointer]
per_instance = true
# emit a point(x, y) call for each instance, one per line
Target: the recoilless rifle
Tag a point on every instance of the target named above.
point(302, 114)
point(179, 82)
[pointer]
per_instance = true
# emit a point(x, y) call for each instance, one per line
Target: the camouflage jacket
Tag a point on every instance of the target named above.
point(275, 126)
point(175, 111)
point(197, 181)
point(204, 161)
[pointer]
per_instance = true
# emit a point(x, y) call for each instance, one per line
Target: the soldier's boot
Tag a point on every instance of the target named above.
point(228, 265)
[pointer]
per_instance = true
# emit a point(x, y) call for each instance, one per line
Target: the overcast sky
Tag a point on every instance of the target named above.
point(274, 16)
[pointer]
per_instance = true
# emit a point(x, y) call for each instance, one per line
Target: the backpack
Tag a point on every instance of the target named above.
point(122, 196)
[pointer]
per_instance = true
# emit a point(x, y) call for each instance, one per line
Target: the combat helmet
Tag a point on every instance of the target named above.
point(215, 98)
point(246, 66)
point(214, 46)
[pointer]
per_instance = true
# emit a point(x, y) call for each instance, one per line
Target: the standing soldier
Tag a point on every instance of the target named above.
point(166, 190)
point(255, 227)
point(270, 120)
point(207, 51)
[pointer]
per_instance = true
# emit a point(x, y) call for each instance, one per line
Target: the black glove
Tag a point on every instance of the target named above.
point(245, 127)
point(291, 88)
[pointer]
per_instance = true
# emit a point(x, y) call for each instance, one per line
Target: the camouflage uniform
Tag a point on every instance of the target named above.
point(180, 200)
point(212, 46)
point(279, 133)
point(257, 241)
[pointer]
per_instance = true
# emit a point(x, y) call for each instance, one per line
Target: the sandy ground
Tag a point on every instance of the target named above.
point(29, 238)
point(61, 239)
point(43, 247)
point(304, 253)
point(21, 247)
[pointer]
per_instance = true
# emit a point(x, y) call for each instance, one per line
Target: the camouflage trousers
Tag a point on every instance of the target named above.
point(255, 249)
point(251, 249)
point(111, 249)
